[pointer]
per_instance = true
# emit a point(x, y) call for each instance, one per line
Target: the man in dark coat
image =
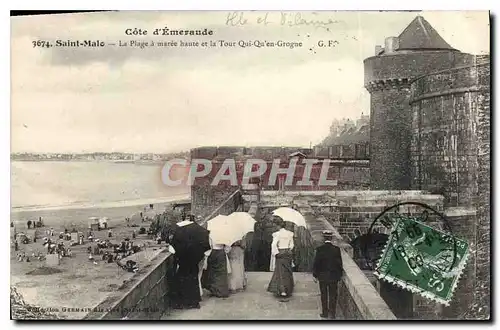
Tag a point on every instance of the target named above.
point(327, 269)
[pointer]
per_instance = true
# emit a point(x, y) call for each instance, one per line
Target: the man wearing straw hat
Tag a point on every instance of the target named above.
point(327, 269)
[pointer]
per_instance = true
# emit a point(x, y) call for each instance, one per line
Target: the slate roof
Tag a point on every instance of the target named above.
point(419, 34)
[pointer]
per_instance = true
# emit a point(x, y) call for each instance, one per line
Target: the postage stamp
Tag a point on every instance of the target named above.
point(422, 259)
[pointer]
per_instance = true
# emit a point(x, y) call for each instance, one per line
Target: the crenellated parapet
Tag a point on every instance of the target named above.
point(397, 83)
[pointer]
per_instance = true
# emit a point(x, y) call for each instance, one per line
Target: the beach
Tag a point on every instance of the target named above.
point(78, 282)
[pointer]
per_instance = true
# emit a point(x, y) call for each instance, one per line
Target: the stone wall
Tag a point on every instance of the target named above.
point(349, 211)
point(462, 220)
point(483, 254)
point(402, 65)
point(390, 136)
point(144, 297)
point(232, 203)
point(360, 300)
point(205, 198)
point(444, 148)
point(348, 174)
point(450, 154)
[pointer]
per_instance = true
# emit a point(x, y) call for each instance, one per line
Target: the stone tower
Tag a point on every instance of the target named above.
point(417, 51)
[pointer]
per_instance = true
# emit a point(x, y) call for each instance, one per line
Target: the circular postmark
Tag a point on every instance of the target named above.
point(389, 220)
point(416, 256)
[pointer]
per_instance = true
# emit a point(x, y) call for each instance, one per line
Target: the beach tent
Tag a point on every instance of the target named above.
point(94, 223)
point(103, 222)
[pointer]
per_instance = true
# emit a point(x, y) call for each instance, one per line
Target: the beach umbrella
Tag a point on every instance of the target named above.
point(290, 215)
point(223, 231)
point(242, 220)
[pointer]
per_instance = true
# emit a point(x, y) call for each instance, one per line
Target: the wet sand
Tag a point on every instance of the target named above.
point(114, 204)
point(65, 216)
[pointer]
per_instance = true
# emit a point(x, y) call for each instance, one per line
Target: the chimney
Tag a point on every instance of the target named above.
point(391, 44)
point(378, 49)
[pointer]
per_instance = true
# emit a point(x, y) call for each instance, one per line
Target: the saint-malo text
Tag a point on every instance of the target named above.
point(68, 43)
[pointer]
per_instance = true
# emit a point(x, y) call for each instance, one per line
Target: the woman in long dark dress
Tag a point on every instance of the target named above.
point(281, 283)
point(215, 278)
point(249, 261)
point(261, 247)
point(303, 255)
point(190, 241)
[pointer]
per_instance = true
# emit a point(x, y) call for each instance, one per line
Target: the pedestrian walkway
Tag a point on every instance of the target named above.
point(255, 303)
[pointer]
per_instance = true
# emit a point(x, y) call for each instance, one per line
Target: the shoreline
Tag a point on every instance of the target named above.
point(107, 205)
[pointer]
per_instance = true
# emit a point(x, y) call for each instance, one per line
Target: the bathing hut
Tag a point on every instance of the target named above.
point(94, 223)
point(103, 223)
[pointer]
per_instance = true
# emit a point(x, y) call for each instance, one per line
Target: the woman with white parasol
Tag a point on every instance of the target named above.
point(242, 223)
point(281, 283)
point(292, 219)
point(224, 232)
point(215, 276)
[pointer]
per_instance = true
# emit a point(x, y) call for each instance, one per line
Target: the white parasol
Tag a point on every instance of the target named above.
point(243, 221)
point(291, 215)
point(222, 231)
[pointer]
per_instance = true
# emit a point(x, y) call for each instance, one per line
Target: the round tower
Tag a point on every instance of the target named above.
point(450, 152)
point(417, 51)
point(446, 108)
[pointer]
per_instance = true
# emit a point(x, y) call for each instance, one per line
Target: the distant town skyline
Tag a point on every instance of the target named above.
point(162, 100)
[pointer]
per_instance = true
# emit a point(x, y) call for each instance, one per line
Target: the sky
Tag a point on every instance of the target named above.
point(168, 99)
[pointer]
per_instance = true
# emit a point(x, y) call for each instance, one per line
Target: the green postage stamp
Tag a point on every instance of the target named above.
point(422, 259)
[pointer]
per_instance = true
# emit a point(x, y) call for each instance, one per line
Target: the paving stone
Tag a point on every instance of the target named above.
point(255, 303)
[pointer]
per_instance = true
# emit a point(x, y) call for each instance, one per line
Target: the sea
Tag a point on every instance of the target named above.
point(38, 185)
